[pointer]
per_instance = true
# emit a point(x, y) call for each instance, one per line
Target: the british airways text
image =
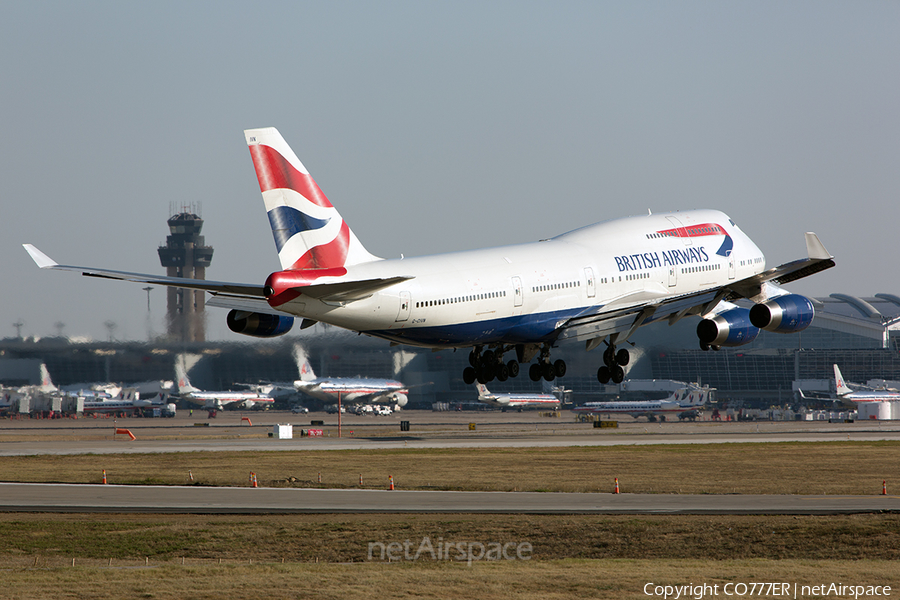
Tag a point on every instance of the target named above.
point(649, 260)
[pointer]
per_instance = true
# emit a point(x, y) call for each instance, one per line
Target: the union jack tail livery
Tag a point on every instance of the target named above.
point(309, 233)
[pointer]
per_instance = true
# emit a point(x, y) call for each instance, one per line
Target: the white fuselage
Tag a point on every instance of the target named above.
point(353, 390)
point(518, 294)
point(521, 400)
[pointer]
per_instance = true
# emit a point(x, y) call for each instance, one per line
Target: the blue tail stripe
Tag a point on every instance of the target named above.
point(286, 222)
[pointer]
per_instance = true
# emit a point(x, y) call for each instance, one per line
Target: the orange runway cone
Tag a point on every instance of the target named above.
point(391, 478)
point(191, 475)
point(360, 480)
point(617, 486)
point(104, 476)
point(320, 478)
point(253, 480)
point(884, 487)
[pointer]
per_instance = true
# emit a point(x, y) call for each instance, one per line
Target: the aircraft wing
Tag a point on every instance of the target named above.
point(241, 289)
point(233, 293)
point(626, 314)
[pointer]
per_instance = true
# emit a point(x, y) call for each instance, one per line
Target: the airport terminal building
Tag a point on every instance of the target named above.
point(859, 334)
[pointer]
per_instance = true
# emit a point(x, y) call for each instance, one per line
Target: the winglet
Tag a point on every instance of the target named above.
point(41, 259)
point(815, 249)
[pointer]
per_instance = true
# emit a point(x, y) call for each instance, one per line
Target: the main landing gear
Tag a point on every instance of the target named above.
point(612, 365)
point(487, 365)
point(544, 369)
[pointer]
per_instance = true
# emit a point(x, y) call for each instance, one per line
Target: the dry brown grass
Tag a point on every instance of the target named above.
point(56, 538)
point(781, 468)
point(618, 578)
point(573, 556)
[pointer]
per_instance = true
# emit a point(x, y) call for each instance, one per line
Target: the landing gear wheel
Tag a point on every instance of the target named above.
point(622, 357)
point(487, 369)
point(559, 368)
point(704, 346)
point(469, 375)
point(513, 368)
point(609, 356)
point(502, 372)
point(547, 372)
point(603, 375)
point(618, 374)
point(534, 372)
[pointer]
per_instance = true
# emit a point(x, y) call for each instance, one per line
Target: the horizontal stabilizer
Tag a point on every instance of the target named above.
point(348, 291)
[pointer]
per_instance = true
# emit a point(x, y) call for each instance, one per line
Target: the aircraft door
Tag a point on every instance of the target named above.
point(517, 291)
point(591, 282)
point(405, 301)
point(731, 267)
point(673, 276)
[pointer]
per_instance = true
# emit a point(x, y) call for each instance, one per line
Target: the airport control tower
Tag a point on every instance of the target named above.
point(185, 255)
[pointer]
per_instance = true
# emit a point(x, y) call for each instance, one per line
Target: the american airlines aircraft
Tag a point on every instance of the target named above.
point(516, 400)
point(352, 390)
point(848, 396)
point(215, 400)
point(512, 304)
point(680, 401)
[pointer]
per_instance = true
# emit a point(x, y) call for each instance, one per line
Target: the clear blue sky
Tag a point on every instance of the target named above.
point(436, 126)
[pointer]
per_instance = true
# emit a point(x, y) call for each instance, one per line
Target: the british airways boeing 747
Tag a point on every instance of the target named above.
point(512, 304)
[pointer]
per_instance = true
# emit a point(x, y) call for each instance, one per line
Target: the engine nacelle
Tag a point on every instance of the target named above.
point(258, 324)
point(786, 314)
point(399, 399)
point(730, 328)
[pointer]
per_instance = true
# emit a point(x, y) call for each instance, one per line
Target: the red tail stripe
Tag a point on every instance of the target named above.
point(327, 256)
point(275, 172)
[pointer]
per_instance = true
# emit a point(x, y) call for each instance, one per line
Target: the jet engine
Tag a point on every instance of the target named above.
point(399, 399)
point(258, 324)
point(730, 328)
point(785, 314)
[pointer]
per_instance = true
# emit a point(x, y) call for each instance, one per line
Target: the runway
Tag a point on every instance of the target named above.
point(446, 430)
point(18, 497)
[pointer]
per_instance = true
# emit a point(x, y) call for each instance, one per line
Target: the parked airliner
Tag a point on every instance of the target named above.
point(215, 400)
point(848, 396)
point(349, 390)
point(517, 400)
point(597, 284)
point(684, 399)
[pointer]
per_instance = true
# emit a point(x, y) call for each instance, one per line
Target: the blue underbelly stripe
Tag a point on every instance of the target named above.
point(511, 330)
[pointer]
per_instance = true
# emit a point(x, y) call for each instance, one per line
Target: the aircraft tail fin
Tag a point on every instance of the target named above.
point(839, 383)
point(482, 390)
point(303, 365)
point(309, 233)
point(46, 382)
point(181, 377)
